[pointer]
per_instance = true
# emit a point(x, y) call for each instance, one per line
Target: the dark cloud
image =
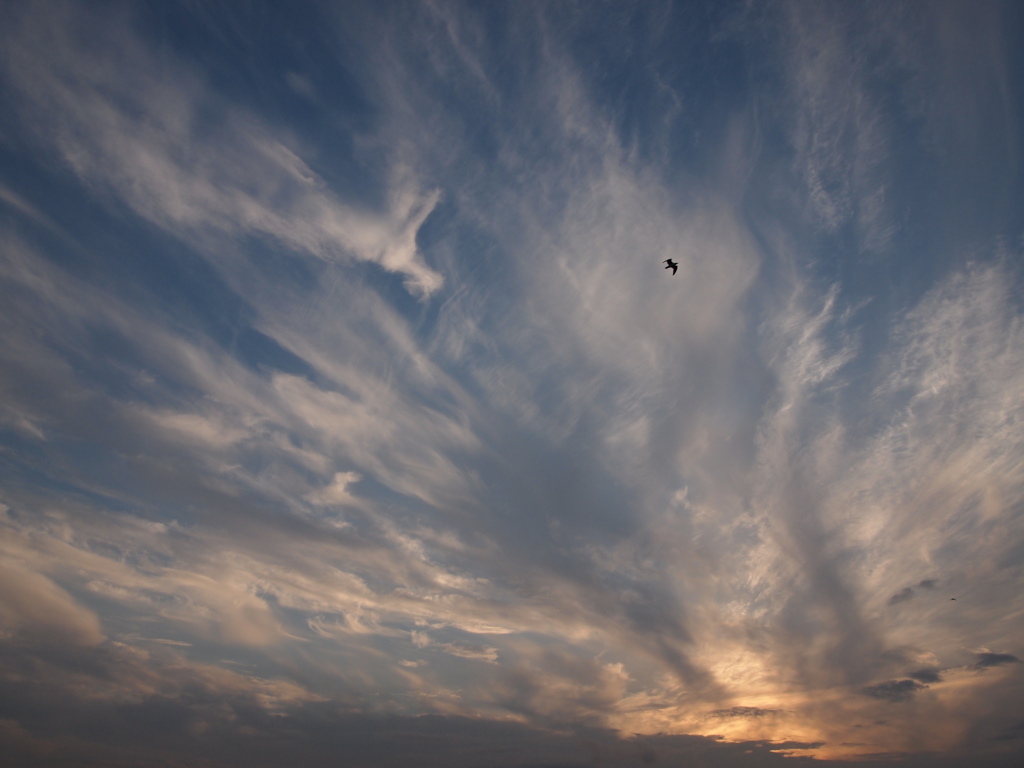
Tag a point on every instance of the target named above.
point(778, 746)
point(928, 675)
point(1012, 733)
point(984, 660)
point(902, 596)
point(110, 706)
point(743, 712)
point(932, 760)
point(907, 593)
point(893, 690)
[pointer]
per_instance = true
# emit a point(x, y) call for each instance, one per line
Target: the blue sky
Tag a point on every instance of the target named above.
point(348, 413)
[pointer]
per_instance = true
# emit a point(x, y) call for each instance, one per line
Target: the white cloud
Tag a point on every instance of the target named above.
point(337, 492)
point(32, 603)
point(160, 140)
point(202, 430)
point(838, 123)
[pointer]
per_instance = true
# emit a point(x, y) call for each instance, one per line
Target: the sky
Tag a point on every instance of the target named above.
point(349, 415)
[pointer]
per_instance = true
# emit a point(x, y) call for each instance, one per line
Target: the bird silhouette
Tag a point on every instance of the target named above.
point(669, 264)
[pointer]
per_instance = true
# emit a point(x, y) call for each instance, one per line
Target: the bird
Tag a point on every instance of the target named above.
point(669, 264)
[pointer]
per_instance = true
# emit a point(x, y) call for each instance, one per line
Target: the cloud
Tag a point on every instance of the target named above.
point(902, 596)
point(929, 675)
point(186, 159)
point(34, 605)
point(166, 710)
point(337, 492)
point(894, 690)
point(835, 118)
point(907, 593)
point(986, 660)
point(1012, 733)
point(478, 652)
point(655, 496)
point(25, 208)
point(743, 712)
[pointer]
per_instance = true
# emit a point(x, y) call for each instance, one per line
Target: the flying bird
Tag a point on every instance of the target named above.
point(669, 264)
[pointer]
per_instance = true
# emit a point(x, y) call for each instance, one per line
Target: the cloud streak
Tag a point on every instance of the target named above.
point(190, 163)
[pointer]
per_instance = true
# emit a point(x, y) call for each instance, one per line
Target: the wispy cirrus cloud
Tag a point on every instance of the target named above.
point(162, 142)
point(32, 604)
